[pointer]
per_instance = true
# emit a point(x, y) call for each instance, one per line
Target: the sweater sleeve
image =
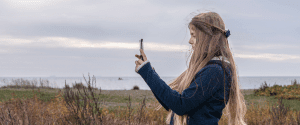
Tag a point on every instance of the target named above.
point(136, 70)
point(163, 104)
point(151, 90)
point(208, 82)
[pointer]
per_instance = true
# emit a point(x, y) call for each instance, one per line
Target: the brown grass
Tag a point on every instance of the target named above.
point(82, 107)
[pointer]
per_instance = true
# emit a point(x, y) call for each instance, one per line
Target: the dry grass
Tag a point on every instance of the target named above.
point(83, 106)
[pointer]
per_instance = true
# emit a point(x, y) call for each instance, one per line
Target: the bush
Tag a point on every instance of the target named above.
point(66, 86)
point(78, 86)
point(135, 88)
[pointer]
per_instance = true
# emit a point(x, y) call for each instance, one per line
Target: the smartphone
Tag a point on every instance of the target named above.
point(141, 47)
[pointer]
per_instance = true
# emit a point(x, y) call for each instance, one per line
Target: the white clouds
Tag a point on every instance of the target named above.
point(268, 56)
point(3, 50)
point(53, 42)
point(81, 43)
point(77, 11)
point(269, 46)
point(52, 28)
point(31, 4)
point(14, 41)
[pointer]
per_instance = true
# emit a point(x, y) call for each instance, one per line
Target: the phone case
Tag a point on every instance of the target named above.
point(141, 47)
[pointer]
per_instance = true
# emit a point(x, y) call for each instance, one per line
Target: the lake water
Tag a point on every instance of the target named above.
point(112, 83)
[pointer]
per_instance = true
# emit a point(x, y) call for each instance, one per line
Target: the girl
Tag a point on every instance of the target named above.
point(210, 84)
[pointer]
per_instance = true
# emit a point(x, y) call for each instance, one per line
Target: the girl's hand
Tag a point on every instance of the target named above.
point(140, 61)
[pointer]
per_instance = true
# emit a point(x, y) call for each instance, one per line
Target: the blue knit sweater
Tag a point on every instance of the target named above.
point(205, 106)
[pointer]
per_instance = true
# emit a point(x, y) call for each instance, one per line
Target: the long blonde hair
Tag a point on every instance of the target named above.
point(210, 42)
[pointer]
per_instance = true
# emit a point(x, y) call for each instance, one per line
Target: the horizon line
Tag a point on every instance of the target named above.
point(127, 76)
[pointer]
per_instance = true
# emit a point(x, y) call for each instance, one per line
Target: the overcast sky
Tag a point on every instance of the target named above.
point(40, 38)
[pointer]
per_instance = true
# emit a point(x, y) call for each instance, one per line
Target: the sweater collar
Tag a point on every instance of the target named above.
point(218, 60)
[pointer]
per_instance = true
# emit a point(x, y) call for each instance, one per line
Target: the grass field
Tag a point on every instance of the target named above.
point(117, 108)
point(112, 98)
point(115, 98)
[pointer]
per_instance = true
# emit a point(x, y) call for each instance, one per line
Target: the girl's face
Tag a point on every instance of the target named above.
point(192, 41)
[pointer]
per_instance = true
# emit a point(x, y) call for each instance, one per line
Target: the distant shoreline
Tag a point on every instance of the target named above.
point(105, 89)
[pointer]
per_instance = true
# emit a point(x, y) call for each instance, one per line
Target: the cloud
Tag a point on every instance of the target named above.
point(268, 56)
point(269, 46)
point(101, 20)
point(50, 42)
point(57, 42)
point(31, 4)
point(4, 50)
